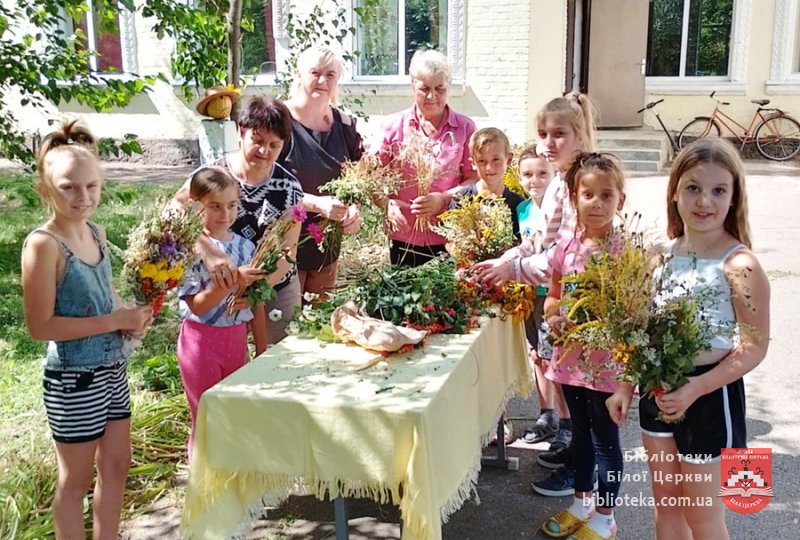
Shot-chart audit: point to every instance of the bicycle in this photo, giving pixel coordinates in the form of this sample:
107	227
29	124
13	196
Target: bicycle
776	133
652	105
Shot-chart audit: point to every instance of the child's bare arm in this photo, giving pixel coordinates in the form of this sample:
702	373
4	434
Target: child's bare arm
39	276
207	299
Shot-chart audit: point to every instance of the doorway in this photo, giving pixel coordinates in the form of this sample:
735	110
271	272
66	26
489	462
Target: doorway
612	57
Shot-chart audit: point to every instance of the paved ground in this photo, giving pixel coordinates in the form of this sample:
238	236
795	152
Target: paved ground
508	508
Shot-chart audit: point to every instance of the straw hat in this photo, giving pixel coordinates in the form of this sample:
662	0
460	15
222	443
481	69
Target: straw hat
225	95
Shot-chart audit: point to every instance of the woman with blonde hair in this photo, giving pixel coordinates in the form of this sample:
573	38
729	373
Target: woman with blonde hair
323	137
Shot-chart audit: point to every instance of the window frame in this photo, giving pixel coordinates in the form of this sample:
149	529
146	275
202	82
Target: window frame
127	41
456	21
733	83
785	37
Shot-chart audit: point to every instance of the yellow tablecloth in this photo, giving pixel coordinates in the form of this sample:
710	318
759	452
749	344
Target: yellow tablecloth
300	418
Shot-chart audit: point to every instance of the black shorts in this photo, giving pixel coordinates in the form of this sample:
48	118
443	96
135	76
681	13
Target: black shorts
713	422
79	404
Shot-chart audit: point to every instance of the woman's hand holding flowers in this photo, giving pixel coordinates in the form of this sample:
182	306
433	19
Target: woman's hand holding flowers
351	223
332	208
395	215
431	204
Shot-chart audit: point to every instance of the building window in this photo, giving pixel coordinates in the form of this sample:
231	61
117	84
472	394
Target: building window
394	30
689	38
784	65
258	46
104	42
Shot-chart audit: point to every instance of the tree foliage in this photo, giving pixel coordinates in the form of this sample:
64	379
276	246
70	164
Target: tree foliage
44	61
40	62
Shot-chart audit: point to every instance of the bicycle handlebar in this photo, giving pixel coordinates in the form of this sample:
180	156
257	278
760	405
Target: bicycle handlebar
711	95
650	105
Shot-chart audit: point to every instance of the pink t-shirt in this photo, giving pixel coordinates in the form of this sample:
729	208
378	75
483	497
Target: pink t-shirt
451	140
598	372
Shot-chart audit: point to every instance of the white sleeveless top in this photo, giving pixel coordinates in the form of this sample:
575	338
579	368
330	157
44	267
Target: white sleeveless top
694	276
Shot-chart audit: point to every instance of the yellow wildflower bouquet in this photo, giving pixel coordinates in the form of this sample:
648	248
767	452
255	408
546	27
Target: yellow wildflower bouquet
160	248
616	306
478	229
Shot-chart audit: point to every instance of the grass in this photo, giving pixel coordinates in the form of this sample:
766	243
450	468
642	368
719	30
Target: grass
160	413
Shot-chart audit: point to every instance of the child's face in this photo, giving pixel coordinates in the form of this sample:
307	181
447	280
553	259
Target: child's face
260	148
598	201
535	174
74	185
559	139
491	162
704	197
221	208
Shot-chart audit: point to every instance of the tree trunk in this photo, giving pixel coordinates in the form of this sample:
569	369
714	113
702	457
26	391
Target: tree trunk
235	50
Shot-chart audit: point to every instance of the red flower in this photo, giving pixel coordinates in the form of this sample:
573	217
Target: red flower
315	233
298	213
658	392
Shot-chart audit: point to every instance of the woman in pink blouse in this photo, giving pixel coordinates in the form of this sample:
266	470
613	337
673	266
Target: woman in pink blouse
448	132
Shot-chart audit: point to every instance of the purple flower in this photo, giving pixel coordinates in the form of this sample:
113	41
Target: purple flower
298	213
168	247
315	233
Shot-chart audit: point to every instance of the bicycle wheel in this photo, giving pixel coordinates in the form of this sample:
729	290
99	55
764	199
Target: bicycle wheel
702	126
778	138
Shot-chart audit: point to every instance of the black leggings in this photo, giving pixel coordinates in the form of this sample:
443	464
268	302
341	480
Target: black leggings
595	439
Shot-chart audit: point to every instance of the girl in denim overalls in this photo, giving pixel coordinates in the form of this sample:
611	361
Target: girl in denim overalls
69	301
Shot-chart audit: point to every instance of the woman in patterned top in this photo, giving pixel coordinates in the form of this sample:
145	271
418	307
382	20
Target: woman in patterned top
267	190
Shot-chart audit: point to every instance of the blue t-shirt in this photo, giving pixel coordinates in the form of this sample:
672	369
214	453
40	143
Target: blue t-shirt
531	220
241	251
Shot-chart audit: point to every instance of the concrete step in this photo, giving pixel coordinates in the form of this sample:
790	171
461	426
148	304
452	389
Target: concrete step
641	150
634	154
613	143
643	166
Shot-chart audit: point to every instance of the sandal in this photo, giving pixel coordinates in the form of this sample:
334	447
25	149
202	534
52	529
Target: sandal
585	532
542	430
508	434
563	524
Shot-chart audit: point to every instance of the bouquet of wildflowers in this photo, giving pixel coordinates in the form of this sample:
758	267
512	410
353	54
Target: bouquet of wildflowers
362	183
160	248
269	251
478	229
419	156
616	305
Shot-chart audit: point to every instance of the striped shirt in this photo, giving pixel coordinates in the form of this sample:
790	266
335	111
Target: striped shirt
240	250
531	267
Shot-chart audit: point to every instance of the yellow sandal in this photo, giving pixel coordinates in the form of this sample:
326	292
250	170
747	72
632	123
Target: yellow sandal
585	532
564	523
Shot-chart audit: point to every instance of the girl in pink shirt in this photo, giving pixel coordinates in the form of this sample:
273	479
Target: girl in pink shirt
596	188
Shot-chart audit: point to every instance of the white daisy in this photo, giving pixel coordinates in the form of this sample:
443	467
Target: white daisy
293	328
310	296
275	315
